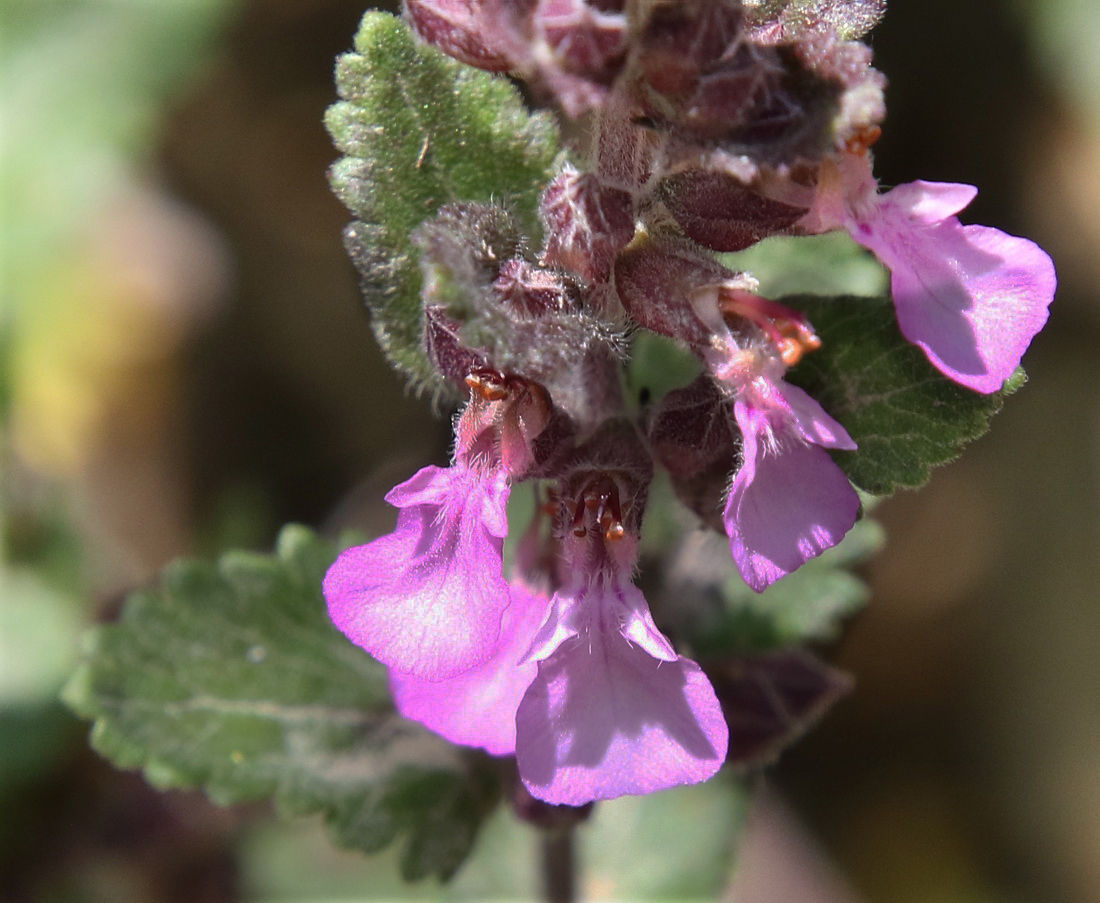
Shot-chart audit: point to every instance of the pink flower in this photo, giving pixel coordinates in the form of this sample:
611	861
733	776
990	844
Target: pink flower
971	297
427	599
613	709
583	687
478	706
788	501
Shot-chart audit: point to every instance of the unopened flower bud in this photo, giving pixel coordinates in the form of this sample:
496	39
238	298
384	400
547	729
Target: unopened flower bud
720	212
587	223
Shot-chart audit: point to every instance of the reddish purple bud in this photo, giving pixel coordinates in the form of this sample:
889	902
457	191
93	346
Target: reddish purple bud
693	436
576	53
445	346
677	42
721	213
481	33
777	23
625	150
587	224
693	428
657	279
731	96
585	41
698	77
533	290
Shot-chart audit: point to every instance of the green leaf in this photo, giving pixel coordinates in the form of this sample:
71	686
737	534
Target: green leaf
420	130
829	264
657	365
905	416
679	844
232	678
809	605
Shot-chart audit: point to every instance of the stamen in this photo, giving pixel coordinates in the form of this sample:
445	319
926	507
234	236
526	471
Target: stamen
492	385
601	497
862	140
788	330
579	529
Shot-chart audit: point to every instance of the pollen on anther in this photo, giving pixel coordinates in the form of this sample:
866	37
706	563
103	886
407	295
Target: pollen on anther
490	391
862	140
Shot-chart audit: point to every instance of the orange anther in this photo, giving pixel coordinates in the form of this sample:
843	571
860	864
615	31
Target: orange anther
862	140
491	387
787	330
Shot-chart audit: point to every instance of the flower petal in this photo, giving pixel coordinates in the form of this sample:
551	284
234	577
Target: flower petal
811	421
971	297
603	718
427	599
785	506
637	625
478	707
930	202
976	313
558	626
443	486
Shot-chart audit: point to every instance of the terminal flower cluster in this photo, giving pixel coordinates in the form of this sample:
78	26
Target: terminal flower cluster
711	125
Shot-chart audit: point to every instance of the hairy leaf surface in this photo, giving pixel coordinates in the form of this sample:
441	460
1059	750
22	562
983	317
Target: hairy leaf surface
420	130
230	677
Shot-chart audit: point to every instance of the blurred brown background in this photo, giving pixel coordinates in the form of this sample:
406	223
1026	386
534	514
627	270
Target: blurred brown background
186	365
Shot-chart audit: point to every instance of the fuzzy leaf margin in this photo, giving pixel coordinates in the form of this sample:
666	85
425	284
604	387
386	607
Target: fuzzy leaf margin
420	130
230	677
905	416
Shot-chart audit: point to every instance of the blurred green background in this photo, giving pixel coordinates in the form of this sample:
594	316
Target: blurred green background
185	365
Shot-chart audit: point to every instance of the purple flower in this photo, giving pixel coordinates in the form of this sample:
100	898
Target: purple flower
478	706
427	599
788	501
971	297
613	709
